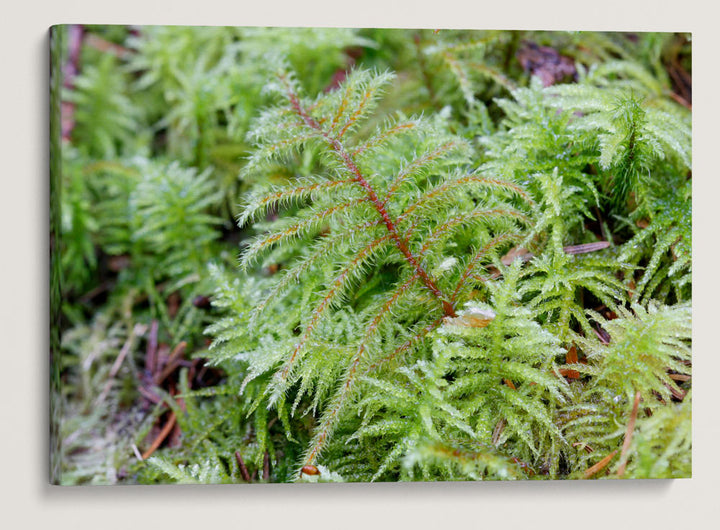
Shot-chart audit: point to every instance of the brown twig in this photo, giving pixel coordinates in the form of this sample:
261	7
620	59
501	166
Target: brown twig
172	363
586	247
680	377
243	467
498	430
681	100
152	348
149	395
161	437
266	466
589	472
628	435
677	393
602	335
584	446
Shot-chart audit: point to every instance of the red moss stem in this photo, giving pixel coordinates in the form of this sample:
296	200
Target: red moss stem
399	241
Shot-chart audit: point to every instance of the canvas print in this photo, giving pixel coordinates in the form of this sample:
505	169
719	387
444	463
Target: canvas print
298	255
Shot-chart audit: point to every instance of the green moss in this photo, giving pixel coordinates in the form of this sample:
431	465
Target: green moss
449	269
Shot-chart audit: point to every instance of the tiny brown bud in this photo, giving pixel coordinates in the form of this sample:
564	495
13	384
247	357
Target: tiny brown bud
310	470
201	301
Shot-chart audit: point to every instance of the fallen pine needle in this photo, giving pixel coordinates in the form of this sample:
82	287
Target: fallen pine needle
589	472
163	434
680	377
171	362
266	466
586	247
243	467
149	395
